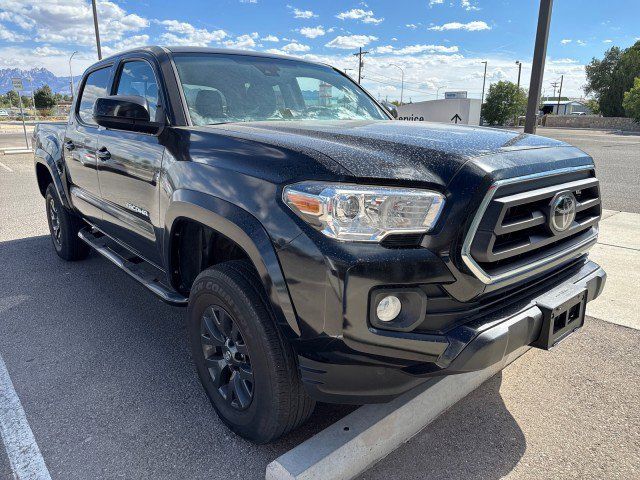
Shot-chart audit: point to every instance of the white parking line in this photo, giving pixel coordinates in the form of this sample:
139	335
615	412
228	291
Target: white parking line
5	167
22	450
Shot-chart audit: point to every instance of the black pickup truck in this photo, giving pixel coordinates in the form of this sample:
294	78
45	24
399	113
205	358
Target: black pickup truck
324	250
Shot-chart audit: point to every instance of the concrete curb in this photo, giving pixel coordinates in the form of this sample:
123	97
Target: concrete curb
15	151
352	445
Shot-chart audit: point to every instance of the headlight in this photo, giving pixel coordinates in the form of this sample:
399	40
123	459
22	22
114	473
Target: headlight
363	213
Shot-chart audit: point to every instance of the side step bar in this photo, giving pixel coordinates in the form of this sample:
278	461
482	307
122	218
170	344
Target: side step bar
133	265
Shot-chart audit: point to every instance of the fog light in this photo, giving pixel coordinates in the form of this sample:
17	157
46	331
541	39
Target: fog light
388	308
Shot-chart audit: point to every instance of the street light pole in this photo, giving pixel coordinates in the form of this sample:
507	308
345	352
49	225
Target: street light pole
537	67
438	91
519	63
95	26
402	84
484	80
71	76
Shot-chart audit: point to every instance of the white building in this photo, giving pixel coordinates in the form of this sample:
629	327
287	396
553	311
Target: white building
567	107
458	110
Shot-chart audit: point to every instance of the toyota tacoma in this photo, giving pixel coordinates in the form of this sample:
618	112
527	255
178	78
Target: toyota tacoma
324	250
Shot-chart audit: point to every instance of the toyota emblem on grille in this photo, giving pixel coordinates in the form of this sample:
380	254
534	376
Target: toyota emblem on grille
562	212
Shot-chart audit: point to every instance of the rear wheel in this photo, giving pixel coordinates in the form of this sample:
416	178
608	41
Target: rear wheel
64	227
248	371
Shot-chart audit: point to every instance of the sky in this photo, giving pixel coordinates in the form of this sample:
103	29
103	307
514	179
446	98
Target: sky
439	45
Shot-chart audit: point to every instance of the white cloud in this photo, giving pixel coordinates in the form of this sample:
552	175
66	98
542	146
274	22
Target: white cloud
248	1
9	36
297	13
183	33
270	38
566	41
365	16
435	2
313	32
295	47
71	21
47	51
607	41
412	26
247	40
475	26
414	49
581	43
126	44
350	41
467	5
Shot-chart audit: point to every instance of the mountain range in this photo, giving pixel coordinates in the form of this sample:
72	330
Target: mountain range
35	78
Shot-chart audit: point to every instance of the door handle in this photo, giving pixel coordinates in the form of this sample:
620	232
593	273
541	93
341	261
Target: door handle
103	154
69	145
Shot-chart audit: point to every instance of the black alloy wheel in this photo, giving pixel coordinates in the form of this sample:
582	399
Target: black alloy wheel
54	221
227	357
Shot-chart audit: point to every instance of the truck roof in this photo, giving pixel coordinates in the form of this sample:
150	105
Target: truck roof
157	49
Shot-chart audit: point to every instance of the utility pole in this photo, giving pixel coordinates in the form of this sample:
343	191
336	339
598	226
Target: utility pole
95	26
360	54
515	117
554	85
560	95
537	67
71	76
484	80
402	84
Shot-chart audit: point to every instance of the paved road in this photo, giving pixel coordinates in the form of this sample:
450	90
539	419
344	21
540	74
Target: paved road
617	159
14	139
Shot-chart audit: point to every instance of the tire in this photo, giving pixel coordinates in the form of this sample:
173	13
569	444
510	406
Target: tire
63	228
255	389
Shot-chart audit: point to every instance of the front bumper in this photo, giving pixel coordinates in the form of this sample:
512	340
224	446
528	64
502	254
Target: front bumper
472	346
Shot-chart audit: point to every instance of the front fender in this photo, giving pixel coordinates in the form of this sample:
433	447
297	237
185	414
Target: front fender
243	228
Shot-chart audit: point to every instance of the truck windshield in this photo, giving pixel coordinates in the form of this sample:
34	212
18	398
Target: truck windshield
221	88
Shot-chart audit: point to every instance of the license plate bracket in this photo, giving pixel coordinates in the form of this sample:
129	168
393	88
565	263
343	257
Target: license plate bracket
563	313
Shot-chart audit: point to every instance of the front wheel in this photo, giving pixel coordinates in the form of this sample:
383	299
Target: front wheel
247	370
64	228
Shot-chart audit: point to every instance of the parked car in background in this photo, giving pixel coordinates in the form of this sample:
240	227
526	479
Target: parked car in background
4	113
324	251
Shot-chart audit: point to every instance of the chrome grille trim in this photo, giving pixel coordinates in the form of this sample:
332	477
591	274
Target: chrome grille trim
541	264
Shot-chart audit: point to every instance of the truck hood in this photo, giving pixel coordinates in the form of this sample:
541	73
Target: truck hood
426	152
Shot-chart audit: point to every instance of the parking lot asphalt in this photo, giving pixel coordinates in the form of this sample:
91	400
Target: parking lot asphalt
102	367
571	413
104	375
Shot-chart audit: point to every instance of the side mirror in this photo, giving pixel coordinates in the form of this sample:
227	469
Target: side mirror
391	108
129	113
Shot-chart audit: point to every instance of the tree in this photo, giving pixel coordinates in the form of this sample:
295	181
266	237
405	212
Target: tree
594	106
26	101
44	97
504	101
631	101
12	98
609	78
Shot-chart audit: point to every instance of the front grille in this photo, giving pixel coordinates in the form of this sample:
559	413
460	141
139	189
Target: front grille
513	229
